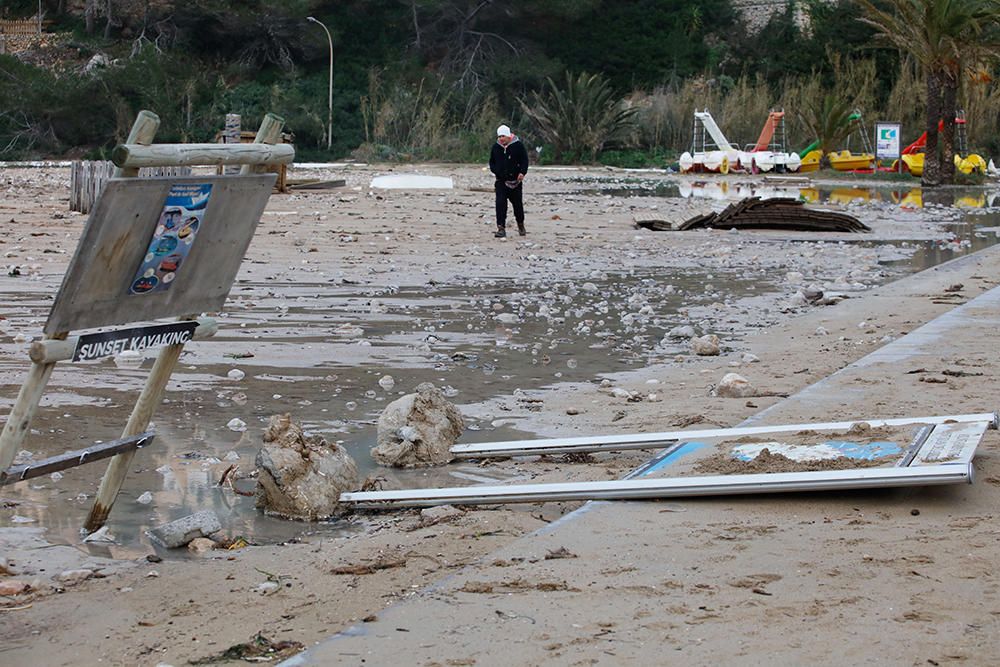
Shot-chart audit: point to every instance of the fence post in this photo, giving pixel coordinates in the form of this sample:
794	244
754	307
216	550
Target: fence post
231	135
143	130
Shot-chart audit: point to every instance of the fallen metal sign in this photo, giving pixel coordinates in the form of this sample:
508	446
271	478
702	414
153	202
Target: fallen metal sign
941	454
675	487
611	443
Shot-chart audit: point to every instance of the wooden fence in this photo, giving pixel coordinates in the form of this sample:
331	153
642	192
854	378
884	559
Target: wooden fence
87	179
20	27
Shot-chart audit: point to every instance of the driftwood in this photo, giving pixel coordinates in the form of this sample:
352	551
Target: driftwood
777	213
369	568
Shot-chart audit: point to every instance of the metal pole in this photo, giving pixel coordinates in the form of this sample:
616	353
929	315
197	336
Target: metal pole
611	443
329	101
668	487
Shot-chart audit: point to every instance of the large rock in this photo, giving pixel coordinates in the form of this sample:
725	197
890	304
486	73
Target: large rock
733	385
418	430
178	533
301	477
705	346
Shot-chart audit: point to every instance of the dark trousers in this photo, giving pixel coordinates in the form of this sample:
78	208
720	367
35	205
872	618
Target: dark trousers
515	196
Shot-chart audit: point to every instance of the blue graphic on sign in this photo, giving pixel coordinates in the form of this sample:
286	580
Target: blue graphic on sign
182	216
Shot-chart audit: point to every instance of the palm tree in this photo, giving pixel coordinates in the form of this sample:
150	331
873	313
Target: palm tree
831	120
939	34
579	118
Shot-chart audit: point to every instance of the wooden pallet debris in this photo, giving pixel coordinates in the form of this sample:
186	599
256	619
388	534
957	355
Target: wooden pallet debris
775	213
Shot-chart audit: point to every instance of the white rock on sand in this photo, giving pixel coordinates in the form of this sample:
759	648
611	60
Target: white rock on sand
733	385
181	531
705	346
418	430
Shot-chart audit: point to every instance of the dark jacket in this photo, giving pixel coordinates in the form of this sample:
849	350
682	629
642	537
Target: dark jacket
507	163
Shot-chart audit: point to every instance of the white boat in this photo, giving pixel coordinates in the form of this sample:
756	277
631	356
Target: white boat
769	153
710	150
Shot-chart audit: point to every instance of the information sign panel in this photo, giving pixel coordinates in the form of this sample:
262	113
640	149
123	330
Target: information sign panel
197	230
887	141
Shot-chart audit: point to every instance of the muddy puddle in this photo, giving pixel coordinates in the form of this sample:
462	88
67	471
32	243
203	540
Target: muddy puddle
334	356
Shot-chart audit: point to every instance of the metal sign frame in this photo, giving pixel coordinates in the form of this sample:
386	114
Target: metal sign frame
942	455
611	443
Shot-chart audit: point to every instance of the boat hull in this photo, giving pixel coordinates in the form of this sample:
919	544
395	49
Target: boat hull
847	161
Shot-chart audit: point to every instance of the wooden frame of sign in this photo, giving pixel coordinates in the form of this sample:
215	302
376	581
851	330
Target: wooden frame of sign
152	248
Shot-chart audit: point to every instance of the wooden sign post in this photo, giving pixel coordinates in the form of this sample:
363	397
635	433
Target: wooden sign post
153	248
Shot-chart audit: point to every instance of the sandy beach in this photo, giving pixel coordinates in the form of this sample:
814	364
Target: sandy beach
529	337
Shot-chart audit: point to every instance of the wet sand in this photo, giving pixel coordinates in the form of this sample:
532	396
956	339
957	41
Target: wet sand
342	288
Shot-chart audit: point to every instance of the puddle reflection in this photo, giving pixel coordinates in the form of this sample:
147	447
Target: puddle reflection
722	190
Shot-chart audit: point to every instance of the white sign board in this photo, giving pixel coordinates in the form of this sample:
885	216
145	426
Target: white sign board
887	136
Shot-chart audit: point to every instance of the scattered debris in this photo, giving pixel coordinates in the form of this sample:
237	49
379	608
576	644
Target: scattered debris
516	585
684	331
561	552
201	545
236	424
180	532
10	587
301	477
775	213
258	649
418	429
101	535
724	463
960	374
74	577
442	513
371	568
233	544
684	422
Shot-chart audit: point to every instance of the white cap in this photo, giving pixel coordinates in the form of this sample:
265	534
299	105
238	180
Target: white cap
503	131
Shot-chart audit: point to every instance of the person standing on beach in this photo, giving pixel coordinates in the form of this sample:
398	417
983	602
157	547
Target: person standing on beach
509	163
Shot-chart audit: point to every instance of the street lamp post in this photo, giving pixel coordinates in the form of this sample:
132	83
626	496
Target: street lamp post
329	114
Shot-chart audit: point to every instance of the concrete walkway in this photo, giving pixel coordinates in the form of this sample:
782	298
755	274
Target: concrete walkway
900	576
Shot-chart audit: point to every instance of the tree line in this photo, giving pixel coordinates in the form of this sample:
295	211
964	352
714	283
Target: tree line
428	79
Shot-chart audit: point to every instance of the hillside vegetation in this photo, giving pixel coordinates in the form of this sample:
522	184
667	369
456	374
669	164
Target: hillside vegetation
430	79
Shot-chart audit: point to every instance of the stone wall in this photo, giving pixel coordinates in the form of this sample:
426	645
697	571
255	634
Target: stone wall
756	13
